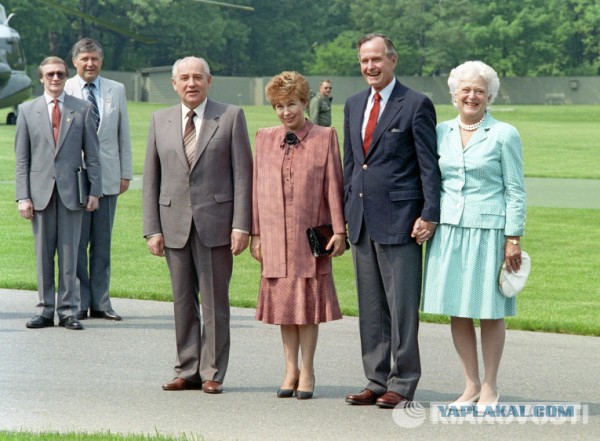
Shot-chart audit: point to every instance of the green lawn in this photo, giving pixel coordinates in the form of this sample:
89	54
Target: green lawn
563	294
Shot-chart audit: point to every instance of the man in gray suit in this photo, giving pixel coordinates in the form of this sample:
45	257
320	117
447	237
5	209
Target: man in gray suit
108	98
197	212
52	133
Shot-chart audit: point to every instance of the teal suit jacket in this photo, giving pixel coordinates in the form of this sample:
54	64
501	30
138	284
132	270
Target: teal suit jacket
482	185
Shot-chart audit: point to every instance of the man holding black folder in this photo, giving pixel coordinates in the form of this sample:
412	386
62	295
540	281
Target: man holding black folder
54	132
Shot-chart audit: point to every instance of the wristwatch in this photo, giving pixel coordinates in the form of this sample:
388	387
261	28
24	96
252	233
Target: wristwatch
513	241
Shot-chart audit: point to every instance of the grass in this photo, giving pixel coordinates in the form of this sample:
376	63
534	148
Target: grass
563	294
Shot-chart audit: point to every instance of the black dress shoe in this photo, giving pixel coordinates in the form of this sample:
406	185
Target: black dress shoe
39	321
108	315
71	323
81	315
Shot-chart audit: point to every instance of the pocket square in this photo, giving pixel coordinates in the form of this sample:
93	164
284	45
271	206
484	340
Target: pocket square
395	130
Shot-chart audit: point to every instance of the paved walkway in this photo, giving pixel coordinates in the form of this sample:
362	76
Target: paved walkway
108	377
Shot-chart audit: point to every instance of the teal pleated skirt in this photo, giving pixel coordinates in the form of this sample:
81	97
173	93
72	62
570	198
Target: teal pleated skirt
461	274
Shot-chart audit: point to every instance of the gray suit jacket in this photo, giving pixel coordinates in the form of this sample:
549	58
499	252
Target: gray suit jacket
41	165
215	193
113	132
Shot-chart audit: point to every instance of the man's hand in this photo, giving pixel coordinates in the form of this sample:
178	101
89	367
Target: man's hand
156	245
124	186
92	203
26	209
239	242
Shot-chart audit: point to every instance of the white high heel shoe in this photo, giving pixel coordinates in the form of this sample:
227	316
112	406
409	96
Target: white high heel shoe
481	408
466	403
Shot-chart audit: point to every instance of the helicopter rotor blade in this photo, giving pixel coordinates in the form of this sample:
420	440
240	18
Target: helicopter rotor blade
226	5
104	23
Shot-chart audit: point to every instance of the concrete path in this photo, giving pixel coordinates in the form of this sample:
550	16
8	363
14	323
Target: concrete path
108	377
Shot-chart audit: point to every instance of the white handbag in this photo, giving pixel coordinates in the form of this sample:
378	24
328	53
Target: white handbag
513	283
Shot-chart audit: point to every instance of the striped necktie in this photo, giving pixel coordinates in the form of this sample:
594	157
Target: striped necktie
92	99
189	137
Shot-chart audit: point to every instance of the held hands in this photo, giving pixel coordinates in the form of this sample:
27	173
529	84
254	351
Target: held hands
512	255
338	242
423	231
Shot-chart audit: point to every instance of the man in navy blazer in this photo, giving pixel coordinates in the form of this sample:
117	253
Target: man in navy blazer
391	196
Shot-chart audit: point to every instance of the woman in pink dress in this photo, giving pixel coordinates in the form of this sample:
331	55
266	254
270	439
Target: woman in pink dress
297	185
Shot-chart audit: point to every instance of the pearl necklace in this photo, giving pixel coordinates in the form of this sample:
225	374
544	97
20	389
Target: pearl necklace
471	127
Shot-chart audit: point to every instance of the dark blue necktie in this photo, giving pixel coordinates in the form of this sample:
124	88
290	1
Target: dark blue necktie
92	99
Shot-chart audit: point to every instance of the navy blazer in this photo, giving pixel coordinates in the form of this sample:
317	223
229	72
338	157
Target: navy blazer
399	179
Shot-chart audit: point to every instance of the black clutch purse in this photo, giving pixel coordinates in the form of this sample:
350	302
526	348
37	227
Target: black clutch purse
83	185
319	237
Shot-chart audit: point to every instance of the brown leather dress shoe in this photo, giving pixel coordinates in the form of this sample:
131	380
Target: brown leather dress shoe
181	384
212	387
391	399
365	398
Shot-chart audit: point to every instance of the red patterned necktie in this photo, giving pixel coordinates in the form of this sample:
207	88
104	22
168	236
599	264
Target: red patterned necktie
371	123
55	120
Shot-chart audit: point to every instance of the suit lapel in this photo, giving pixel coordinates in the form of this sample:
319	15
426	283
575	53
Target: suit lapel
480	134
392	108
105	101
174	124
210	123
356	121
66	120
41	109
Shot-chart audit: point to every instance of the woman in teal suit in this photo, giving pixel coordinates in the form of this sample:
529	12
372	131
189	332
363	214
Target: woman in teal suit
482	220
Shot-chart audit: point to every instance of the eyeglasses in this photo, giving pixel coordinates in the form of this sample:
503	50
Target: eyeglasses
51	75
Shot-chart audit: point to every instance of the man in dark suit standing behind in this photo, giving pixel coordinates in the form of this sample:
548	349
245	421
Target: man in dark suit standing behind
52	133
197	212
391	195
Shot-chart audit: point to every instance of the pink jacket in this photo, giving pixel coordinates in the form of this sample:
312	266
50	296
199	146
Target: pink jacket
317	195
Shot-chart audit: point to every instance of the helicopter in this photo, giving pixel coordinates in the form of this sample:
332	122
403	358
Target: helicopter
15	85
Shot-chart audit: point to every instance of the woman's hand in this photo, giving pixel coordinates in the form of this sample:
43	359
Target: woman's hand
512	254
255	249
338	242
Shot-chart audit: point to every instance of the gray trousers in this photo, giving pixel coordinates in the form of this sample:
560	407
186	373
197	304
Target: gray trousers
56	232
93	272
388	282
202	348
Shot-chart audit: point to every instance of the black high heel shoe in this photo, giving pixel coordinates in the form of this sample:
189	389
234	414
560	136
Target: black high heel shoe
287	393
305	394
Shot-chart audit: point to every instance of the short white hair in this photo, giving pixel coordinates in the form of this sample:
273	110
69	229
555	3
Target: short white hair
186	59
473	69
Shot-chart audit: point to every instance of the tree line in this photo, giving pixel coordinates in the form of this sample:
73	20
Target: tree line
516	37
